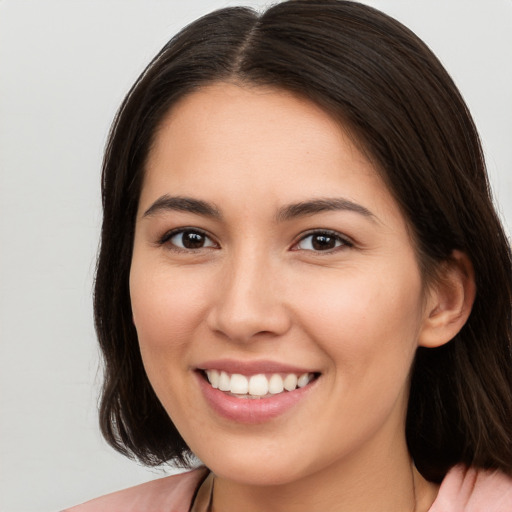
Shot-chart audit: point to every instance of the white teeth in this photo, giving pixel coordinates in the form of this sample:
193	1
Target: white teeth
275	384
239	384
303	380
224	382
290	382
213	377
256	386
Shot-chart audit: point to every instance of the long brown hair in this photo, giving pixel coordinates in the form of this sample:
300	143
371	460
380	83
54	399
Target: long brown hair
377	78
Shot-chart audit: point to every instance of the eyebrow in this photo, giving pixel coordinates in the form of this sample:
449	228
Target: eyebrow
167	203
183	204
306	208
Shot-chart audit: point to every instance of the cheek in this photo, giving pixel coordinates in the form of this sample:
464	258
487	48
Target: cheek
166	306
366	317
167	311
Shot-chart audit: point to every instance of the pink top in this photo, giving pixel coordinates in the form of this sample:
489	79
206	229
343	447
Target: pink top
462	490
474	490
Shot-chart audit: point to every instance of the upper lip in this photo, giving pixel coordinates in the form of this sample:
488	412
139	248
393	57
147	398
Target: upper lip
252	367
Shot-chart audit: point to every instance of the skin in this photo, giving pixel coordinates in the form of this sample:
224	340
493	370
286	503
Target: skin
258	290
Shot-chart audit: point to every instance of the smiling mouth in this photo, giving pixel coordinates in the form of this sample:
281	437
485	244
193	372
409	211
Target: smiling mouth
257	386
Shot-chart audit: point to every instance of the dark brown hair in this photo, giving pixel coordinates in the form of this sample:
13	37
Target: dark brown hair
376	77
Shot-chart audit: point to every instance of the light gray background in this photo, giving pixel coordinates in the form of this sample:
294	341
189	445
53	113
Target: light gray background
64	68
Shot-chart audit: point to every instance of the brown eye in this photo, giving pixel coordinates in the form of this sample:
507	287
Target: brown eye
321	241
190	239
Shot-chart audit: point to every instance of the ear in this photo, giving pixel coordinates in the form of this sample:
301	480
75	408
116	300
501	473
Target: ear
449	301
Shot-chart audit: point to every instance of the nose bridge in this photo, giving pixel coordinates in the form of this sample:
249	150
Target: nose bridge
249	301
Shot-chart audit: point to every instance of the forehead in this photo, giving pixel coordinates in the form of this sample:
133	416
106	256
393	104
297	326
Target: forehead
247	119
227	142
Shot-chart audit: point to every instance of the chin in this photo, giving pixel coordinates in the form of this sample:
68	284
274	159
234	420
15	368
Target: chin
257	471
257	476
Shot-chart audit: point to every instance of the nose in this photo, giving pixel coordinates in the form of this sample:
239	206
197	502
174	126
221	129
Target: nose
250	302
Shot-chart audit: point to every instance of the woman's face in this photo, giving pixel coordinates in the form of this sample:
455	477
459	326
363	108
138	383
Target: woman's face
269	252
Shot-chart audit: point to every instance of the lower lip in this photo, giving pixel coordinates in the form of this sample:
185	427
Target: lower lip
247	410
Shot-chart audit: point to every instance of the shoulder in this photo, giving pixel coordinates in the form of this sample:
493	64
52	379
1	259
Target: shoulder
173	493
474	490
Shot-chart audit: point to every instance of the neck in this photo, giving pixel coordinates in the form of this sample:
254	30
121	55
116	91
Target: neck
387	484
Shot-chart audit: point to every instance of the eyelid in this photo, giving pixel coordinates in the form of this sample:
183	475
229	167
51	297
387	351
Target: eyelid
166	237
346	242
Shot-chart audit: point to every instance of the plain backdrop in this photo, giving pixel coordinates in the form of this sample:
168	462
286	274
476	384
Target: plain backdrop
64	68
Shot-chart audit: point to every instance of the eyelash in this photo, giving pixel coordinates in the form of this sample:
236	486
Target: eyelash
340	241
167	237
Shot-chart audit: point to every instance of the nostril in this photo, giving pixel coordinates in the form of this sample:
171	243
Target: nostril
248	325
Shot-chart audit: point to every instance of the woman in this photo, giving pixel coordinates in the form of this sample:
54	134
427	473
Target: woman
302	280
